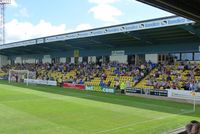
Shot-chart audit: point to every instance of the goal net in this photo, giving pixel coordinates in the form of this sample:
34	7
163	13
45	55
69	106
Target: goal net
20	76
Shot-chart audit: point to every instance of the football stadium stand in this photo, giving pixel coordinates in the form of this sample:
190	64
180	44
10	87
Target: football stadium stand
154	54
90	74
157	57
154	57
179	75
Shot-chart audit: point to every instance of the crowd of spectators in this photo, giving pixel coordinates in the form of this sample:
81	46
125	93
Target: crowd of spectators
84	71
181	75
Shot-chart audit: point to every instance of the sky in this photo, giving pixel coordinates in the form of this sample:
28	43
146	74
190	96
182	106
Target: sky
28	19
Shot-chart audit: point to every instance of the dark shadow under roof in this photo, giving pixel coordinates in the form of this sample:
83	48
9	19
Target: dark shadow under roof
186	8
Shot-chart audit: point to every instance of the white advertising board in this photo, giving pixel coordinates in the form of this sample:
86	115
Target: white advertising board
182	94
42	82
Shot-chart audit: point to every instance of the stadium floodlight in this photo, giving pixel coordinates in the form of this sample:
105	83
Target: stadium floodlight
2	20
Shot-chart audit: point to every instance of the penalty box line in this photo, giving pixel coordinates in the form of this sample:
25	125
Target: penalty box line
137	123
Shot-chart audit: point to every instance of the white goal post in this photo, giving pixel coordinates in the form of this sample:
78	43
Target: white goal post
18	76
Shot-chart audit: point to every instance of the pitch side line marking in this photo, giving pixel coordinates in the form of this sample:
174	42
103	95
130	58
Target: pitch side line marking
133	124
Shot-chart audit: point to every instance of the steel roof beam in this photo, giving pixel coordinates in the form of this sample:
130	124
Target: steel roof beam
73	45
101	42
138	37
192	30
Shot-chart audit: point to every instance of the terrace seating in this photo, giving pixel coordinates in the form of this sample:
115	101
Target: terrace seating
91	74
2	73
182	76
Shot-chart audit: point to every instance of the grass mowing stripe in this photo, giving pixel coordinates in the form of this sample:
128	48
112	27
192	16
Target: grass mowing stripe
85	101
133	124
119	99
23	120
62	97
90	112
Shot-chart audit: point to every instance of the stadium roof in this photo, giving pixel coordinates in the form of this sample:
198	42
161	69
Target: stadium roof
168	30
186	8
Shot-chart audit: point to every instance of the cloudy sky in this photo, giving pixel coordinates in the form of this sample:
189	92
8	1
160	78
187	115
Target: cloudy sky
27	19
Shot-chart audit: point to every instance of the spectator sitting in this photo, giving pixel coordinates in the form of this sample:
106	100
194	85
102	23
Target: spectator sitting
102	84
109	83
117	86
70	80
136	78
169	78
81	82
128	84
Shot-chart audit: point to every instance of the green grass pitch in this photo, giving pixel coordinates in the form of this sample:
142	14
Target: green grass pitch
53	110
